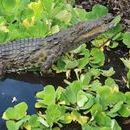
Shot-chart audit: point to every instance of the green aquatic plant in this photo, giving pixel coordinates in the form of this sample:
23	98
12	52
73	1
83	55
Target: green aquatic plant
88	101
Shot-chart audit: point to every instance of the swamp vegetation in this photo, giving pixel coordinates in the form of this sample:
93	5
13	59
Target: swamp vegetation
92	83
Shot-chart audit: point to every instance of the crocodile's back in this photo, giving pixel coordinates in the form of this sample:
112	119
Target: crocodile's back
19	49
17	55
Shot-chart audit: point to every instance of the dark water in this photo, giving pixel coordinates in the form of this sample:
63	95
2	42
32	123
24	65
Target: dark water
22	88
20	91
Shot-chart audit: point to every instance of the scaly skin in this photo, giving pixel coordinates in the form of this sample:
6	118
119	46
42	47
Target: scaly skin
25	54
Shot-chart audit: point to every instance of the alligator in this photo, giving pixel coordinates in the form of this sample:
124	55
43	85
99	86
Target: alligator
25	54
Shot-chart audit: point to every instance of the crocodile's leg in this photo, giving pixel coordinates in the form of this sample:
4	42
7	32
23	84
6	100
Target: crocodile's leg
52	57
1	70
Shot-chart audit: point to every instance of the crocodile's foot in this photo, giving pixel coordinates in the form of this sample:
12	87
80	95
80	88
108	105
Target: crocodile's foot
52	57
2	73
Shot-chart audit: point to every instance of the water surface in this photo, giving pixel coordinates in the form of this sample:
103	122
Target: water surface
13	92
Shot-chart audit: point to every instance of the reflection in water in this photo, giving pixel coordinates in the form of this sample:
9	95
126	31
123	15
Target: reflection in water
13	92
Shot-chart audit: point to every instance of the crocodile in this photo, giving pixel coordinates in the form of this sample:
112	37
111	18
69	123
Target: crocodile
25	54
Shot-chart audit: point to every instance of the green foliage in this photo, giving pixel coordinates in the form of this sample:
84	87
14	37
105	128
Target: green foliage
48	96
126	39
54	113
16	113
34	19
108	73
87	101
40	18
102	10
97	57
74	103
126	62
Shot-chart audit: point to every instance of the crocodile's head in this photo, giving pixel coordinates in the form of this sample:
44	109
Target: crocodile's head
86	31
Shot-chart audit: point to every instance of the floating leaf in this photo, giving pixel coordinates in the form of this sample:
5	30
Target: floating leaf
55	29
97	57
113	112
34	121
70	94
37	8
114	44
114	33
127	95
71	64
85	79
11	125
125	111
17	112
81	13
108	73
54	113
95	72
64	16
104	121
109	96
97	11
126	39
28	22
128	78
48	5
126	62
99	41
48	95
116	20
82	99
76	116
110	82
9	5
